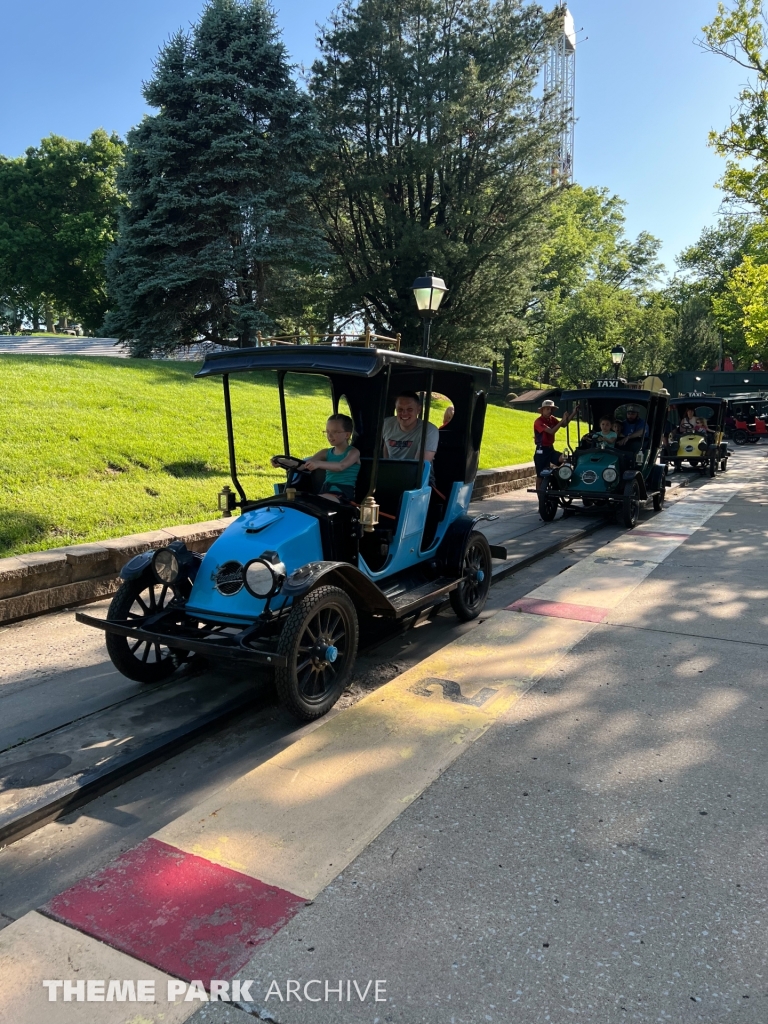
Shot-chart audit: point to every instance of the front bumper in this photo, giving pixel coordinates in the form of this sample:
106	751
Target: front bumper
239	646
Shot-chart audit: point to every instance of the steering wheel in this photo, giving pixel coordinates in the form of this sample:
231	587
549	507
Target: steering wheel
290	463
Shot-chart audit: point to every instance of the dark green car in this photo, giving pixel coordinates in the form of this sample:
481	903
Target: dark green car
611	462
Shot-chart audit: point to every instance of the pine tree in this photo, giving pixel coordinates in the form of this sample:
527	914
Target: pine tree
218	224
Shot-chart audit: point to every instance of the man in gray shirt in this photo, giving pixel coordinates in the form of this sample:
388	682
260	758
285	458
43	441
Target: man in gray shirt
402	432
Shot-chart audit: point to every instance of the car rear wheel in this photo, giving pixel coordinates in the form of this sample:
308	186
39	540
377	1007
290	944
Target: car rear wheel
723	465
469	598
141	660
630	506
739	437
319	642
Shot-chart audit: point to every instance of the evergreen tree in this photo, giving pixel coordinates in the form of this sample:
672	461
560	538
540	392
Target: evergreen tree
439	161
218	225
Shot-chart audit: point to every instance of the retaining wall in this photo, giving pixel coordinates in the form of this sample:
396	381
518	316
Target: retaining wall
46	580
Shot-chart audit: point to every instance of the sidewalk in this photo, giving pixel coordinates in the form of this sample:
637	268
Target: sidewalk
593	847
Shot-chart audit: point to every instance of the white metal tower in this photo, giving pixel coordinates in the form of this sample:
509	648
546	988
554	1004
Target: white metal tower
560	85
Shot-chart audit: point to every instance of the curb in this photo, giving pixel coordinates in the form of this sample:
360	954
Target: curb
43	581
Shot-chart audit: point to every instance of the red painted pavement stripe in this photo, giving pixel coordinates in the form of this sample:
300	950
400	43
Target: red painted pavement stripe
180	913
559	609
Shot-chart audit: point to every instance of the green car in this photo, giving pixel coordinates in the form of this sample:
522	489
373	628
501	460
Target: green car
614	467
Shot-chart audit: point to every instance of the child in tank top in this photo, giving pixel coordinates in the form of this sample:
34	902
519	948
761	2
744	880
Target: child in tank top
341	462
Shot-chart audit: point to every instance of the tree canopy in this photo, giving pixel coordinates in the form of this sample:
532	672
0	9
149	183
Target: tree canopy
58	217
438	160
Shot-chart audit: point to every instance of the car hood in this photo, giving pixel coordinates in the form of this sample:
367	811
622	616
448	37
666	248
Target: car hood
293	534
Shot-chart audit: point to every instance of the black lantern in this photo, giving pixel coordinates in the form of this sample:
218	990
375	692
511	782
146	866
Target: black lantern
428	292
617	358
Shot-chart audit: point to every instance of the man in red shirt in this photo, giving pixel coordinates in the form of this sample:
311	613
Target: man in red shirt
544	429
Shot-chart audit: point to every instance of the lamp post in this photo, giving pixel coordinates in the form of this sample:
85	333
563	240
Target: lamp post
617	358
428	292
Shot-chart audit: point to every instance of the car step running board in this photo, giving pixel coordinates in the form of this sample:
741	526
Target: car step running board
410	601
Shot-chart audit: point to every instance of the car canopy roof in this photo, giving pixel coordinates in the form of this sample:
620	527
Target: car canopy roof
636	396
336	359
691	400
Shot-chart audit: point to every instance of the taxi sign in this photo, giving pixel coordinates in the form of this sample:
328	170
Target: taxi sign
612	382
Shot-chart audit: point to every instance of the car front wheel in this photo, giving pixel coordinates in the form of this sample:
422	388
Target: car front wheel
469	598
136	602
319	643
630	507
547	505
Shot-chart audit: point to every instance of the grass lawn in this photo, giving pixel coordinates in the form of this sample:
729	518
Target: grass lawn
96	448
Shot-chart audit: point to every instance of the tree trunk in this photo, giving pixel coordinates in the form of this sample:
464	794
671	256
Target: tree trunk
48	318
507	361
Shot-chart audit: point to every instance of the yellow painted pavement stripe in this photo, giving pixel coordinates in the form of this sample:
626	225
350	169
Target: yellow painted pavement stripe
35	948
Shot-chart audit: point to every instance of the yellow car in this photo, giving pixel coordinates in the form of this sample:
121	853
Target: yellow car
696	433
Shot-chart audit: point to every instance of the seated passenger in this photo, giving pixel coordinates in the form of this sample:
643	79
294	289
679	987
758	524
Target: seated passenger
402	432
341	462
688	422
607	432
447	416
633	427
700	426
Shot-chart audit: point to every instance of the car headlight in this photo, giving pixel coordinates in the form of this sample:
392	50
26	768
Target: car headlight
610	475
166	565
263	579
565	472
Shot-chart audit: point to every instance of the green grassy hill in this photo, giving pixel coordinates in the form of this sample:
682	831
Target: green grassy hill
96	448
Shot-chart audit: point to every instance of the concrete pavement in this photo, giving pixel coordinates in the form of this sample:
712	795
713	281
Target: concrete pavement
601	853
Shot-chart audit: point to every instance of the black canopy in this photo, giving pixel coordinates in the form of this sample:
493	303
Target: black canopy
335	359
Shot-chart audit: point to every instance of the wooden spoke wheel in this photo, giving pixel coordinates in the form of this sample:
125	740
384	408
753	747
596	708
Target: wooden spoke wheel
136	602
319	640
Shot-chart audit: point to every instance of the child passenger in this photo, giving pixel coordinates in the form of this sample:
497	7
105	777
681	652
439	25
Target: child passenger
608	432
701	426
341	462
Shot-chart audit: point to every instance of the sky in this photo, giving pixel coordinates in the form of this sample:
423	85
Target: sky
646	95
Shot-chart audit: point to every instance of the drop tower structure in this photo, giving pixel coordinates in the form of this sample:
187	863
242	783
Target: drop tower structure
560	86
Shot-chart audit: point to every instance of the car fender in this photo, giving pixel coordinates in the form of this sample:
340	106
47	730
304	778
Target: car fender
634	474
137	567
341	574
450	554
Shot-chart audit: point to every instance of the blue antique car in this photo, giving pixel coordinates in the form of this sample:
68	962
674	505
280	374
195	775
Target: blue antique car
287	584
616	473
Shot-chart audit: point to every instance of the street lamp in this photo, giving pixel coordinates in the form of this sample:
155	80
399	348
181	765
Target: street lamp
617	358
428	292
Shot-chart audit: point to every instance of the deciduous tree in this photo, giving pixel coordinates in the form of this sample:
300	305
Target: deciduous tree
439	160
58	216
